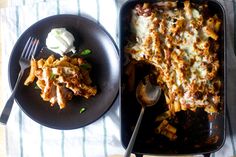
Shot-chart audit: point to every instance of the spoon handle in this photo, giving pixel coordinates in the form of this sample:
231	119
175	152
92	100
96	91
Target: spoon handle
133	137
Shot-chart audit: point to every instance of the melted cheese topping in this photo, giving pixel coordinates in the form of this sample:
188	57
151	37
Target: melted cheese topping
182	45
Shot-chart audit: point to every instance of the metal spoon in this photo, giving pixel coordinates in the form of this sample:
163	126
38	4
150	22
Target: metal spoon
147	95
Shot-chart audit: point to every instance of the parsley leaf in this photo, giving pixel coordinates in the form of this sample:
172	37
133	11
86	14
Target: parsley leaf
85	52
36	87
82	110
52	76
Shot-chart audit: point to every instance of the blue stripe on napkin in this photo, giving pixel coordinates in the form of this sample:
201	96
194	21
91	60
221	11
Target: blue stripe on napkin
20	112
41	141
62	144
83	144
98	11
58	7
78	7
37	11
105	136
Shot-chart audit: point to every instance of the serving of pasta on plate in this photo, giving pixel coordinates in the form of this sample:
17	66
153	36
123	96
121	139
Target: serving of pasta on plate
60	79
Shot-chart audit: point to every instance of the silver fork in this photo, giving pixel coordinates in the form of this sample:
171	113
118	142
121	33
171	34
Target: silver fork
27	53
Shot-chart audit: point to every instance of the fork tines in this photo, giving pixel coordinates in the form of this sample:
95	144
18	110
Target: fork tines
30	48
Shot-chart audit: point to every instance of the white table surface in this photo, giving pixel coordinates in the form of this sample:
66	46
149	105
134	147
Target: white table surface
23	137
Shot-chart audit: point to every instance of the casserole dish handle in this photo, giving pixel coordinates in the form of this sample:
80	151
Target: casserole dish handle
205	155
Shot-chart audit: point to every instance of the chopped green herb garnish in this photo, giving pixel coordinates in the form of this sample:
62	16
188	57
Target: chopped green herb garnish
85	66
36	87
58	32
82	53
85	52
82	110
52	76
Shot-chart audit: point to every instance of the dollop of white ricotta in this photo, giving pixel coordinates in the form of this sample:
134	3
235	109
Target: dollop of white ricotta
60	41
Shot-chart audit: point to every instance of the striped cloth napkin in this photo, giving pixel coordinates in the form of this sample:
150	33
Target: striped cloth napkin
26	138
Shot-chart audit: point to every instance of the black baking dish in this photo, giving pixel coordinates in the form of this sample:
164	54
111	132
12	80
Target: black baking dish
203	136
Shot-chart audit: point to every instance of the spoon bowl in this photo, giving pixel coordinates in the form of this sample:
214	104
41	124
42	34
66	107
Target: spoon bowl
147	94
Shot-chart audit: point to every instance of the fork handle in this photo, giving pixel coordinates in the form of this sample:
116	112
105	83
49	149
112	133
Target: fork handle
8	106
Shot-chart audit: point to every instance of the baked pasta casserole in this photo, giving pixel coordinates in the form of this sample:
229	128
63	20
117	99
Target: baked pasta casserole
182	44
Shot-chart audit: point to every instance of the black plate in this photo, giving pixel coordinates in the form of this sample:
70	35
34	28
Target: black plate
105	73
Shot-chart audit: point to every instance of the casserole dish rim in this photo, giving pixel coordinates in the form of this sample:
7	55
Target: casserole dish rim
224	77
